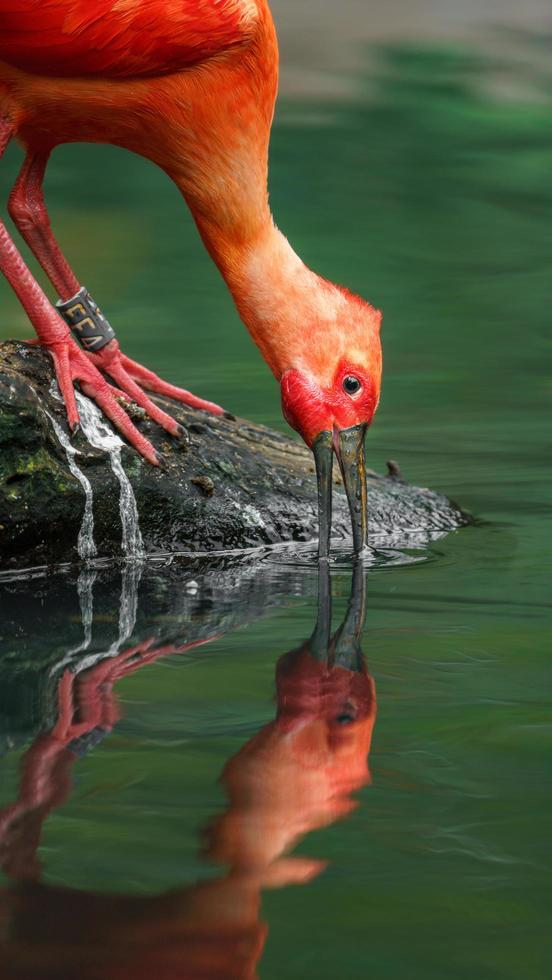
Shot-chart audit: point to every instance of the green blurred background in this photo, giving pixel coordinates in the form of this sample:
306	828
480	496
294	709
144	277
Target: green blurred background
412	161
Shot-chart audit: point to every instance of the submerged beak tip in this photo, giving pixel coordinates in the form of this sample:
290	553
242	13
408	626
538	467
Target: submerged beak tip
322	448
348	445
350	453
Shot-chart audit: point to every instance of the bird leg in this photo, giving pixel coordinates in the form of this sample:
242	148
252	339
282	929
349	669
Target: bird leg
29	214
87	712
70	362
133	378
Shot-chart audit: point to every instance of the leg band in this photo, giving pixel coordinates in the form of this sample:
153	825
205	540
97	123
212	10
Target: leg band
86	320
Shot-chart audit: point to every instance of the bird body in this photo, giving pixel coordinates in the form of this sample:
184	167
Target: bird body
121	38
191	86
203	117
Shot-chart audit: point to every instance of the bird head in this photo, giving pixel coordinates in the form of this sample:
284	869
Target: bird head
322	343
330	395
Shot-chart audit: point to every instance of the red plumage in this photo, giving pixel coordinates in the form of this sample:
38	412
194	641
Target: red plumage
191	85
118	38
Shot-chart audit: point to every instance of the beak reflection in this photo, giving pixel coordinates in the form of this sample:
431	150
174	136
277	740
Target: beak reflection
297	774
348	445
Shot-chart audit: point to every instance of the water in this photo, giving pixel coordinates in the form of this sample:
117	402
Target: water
85	591
101	435
408	839
86	546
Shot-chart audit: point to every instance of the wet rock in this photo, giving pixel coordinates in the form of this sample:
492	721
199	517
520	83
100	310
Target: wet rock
263	482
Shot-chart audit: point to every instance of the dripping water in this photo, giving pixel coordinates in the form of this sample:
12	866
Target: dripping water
86	546
101	436
128	611
85	590
128	605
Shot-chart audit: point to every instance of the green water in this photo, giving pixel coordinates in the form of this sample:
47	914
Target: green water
434	200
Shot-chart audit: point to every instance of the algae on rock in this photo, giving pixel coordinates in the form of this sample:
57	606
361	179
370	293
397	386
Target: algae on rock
261	485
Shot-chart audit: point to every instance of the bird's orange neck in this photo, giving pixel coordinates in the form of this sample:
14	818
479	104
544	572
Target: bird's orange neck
217	153
285	306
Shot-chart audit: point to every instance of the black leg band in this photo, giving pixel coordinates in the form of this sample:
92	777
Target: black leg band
86	320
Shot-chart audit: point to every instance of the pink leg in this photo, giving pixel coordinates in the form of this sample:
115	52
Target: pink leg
129	375
71	364
28	211
90	696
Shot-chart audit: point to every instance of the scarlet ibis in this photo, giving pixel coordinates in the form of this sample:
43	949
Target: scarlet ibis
190	85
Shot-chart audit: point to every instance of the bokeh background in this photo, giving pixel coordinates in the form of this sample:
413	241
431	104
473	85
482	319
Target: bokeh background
412	161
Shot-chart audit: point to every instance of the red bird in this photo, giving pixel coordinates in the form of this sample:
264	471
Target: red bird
191	85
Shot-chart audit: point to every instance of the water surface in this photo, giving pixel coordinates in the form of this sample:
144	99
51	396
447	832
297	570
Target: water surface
433	198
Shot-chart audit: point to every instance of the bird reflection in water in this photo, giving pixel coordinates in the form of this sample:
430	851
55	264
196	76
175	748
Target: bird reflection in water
295	775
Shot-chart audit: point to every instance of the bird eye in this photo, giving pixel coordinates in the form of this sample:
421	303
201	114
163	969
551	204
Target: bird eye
351	384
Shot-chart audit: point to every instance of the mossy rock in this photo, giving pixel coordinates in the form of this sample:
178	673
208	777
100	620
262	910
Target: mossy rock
229	484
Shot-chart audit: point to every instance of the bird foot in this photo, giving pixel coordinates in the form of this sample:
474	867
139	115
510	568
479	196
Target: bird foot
73	364
133	378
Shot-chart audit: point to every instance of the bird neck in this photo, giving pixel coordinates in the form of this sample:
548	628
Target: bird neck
282	302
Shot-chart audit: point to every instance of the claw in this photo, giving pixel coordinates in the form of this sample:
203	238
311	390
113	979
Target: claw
152	382
71	365
62	366
99	391
113	363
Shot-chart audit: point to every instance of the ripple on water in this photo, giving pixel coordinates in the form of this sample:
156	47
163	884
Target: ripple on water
386	551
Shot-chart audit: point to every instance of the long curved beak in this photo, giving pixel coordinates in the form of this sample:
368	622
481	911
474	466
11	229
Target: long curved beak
348	445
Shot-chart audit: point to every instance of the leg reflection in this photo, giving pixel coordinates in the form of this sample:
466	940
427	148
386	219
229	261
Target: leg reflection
297	774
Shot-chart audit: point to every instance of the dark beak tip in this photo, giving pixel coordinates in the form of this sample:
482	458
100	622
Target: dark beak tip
322	448
349	449
351	456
